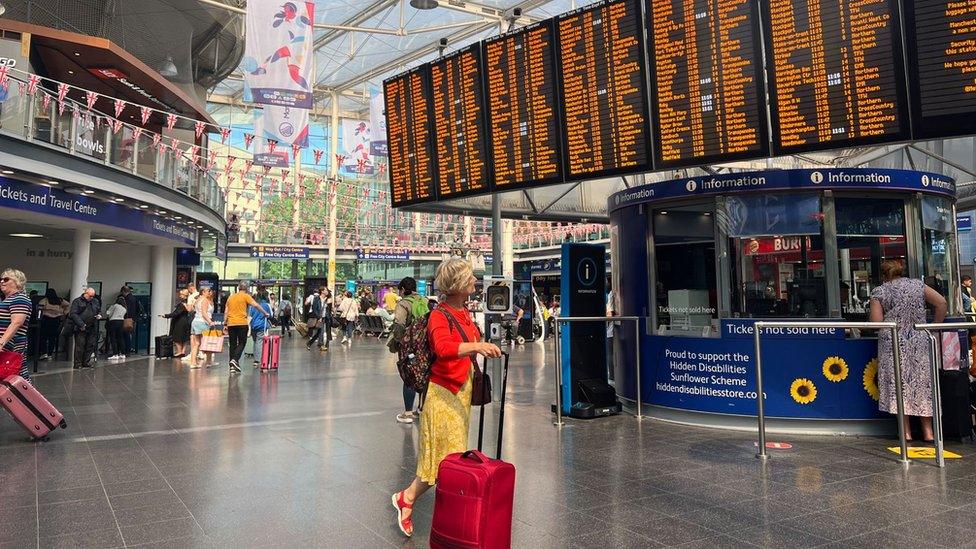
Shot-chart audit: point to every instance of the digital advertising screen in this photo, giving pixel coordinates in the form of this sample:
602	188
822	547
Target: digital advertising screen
408	134
460	146
836	74
707	89
941	46
604	94
523	114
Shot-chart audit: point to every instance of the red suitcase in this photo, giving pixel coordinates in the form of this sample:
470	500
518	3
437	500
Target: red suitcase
29	408
475	495
270	351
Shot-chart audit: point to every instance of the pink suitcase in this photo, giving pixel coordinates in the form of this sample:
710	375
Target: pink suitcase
29	408
269	352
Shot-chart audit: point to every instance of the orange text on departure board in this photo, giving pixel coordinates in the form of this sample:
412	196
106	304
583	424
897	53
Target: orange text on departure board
833	70
705	73
408	133
458	124
522	107
946	36
602	81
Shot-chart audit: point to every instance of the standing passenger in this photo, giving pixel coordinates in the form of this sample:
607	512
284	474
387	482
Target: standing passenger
83	318
236	320
116	341
15	311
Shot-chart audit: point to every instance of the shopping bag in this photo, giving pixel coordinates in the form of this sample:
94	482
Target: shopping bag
10	363
212	341
951	351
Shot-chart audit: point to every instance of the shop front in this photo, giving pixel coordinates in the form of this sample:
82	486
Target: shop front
701	259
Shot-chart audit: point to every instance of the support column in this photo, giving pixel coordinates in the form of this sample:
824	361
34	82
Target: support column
496	235
508	248
162	273
333	196
80	261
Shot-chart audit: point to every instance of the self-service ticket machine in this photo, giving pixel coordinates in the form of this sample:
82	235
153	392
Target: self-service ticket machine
585	390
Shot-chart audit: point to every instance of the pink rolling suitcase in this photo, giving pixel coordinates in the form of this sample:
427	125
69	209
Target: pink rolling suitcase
270	351
29	408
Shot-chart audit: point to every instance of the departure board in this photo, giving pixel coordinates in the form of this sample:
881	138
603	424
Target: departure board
523	124
459	124
604	106
408	135
836	73
942	66
707	89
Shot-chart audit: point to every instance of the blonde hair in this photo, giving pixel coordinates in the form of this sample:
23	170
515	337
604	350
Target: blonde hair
19	278
891	269
452	276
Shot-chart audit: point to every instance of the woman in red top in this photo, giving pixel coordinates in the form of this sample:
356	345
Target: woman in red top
447	406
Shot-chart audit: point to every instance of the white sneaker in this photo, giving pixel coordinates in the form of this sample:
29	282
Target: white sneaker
404	417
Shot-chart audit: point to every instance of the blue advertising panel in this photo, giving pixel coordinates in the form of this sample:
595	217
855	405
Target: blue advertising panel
422	288
46	200
583	293
964	223
279	252
779	180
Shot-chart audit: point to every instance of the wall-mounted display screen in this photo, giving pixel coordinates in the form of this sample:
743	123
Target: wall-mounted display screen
707	88
604	94
836	75
523	124
459	124
408	133
942	66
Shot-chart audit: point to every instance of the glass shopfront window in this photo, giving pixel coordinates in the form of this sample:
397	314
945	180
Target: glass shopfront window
684	257
870	231
939	251
777	248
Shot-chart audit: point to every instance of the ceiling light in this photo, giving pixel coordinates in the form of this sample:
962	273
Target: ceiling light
103	240
423	4
70	71
27	235
143	207
161	211
118	200
7	172
664	213
53	182
2	9
88	191
168	68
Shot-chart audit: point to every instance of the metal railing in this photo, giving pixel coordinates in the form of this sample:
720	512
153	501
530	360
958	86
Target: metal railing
896	352
934	332
559	357
90	136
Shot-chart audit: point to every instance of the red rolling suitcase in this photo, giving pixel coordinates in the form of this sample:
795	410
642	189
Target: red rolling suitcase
475	495
29	408
270	351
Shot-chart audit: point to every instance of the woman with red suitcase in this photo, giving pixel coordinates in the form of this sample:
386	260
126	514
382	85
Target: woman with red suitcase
15	311
447	405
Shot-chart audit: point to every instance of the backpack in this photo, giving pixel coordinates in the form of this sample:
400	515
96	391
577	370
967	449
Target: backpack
414	357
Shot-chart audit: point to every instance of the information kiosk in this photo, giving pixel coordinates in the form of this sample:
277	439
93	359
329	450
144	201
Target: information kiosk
702	258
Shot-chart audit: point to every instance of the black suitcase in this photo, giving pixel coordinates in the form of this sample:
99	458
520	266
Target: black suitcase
164	346
957	419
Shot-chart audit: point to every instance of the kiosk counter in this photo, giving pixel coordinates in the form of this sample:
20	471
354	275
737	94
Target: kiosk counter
701	259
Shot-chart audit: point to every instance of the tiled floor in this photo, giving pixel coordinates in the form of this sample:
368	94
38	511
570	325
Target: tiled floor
158	455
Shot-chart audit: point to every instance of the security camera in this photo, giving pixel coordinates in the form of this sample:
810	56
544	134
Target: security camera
442	42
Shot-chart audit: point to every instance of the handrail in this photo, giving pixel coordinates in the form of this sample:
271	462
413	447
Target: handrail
559	358
935	365
165	167
896	352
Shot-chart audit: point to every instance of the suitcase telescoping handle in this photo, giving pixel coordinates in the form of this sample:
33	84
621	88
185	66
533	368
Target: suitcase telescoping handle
501	409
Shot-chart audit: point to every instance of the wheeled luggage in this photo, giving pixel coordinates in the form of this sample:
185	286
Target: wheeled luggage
269	352
29	408
957	418
475	494
164	346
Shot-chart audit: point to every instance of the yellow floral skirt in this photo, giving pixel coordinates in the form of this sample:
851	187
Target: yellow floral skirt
443	428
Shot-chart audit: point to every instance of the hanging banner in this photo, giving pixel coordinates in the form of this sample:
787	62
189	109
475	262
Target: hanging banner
278	56
355	147
277	129
377	123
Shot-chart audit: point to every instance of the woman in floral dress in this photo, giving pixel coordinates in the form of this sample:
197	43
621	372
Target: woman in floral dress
903	300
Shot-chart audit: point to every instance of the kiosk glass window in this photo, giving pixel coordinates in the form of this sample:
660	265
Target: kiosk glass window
778	255
684	256
939	247
870	231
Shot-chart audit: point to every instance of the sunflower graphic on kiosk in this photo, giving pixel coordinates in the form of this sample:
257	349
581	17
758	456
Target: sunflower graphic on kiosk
803	390
835	369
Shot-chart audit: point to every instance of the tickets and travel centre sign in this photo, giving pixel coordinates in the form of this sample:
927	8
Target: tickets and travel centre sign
782	180
50	201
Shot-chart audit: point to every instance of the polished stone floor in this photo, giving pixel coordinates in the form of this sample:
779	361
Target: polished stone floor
159	455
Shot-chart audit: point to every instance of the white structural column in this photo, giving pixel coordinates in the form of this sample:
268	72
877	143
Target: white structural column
333	196
508	248
80	261
163	275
